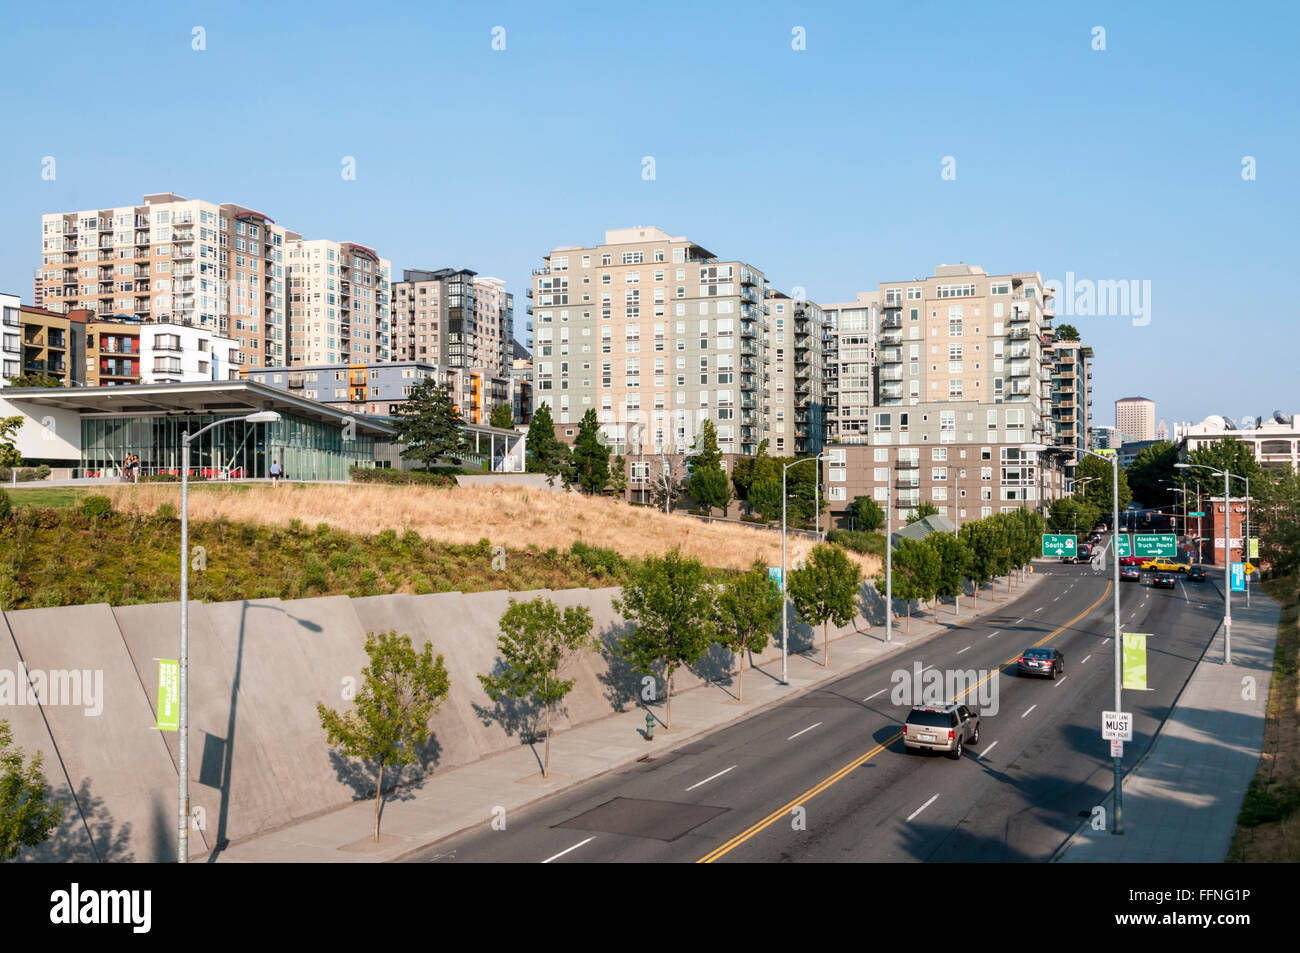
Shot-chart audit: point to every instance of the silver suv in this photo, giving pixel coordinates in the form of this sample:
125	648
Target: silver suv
941	728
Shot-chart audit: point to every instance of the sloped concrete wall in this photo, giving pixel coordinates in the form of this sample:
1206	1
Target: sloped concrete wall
258	755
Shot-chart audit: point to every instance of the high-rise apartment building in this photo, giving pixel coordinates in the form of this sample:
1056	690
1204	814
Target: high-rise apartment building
1135	417
454	318
1071	385
656	334
11	338
849	358
796	421
173	260
339	303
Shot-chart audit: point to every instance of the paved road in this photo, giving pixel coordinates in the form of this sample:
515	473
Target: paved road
824	777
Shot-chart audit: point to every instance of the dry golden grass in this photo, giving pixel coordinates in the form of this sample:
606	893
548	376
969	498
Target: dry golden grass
507	516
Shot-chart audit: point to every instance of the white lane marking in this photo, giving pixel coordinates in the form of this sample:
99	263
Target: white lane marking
1039	609
923	807
1061	679
798	733
1057	599
574	847
1031	708
707	780
1018	621
926	669
1085	658
881	692
994	632
986	751
1105	640
963	650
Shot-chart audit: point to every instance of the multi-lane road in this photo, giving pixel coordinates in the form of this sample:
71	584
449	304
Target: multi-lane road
824	776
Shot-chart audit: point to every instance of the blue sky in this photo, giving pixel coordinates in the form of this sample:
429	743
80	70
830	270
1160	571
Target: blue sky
820	166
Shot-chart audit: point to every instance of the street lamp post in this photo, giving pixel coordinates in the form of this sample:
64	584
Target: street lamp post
183	838
1113	460
785	617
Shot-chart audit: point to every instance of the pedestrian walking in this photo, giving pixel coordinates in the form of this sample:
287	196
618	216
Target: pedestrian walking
276	472
135	467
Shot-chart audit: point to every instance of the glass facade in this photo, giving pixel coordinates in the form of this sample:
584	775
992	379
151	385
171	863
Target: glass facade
307	449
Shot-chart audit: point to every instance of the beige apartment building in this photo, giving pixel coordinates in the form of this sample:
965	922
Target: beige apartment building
656	334
339	302
796	421
173	260
1071	396
112	353
1135	418
53	343
455	318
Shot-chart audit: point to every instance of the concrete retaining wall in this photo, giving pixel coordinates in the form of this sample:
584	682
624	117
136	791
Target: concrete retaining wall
258	756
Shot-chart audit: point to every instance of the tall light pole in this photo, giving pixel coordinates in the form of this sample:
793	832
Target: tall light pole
785	615
1227	553
183	838
1113	460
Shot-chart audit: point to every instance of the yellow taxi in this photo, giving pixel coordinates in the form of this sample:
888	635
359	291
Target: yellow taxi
1164	565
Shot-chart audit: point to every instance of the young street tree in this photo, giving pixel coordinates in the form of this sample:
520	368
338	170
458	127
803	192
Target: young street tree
25	818
429	424
749	610
9	427
916	574
546	454
953	557
825	590
502	417
708	481
536	642
671	613
400	691
590	458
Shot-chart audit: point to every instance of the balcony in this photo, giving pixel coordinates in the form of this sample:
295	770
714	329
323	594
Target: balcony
1019	316
892	323
891	338
893	374
1018	369
1019	334
892	303
891	392
891	355
907	463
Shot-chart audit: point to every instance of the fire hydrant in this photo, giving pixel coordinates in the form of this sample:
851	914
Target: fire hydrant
649	727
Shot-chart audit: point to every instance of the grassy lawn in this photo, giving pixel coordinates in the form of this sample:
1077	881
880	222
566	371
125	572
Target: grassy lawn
1268	829
55	496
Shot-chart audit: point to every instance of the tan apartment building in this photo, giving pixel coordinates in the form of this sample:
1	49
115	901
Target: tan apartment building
112	353
54	343
339	300
1135	418
656	334
848	365
495	339
453	317
796	421
173	260
1071	396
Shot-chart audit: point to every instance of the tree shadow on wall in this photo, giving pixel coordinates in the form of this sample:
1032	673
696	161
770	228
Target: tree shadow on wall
621	682
86	834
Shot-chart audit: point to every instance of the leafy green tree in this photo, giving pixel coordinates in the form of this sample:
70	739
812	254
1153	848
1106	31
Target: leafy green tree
765	499
429	424
546	453
981	538
1276	507
1072	515
826	590
708	481
590	459
35	379
866	514
1149	471
1029	527
502	417
1098	489
1236	455
916	574
25	818
671	613
749	611
400	691
536	642
953	559
921	512
9	427
1066	332
742	474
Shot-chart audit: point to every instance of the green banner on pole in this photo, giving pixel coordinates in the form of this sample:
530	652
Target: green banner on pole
1135	661
1254	548
169	695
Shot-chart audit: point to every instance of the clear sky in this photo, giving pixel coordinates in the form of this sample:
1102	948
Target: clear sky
824	167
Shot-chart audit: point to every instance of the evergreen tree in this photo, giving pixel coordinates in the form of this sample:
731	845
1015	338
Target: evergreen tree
502	417
708	482
546	454
429	424
590	458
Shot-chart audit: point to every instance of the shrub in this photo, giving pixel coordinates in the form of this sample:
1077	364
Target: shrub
868	544
6	507
43	472
597	559
96	507
441	476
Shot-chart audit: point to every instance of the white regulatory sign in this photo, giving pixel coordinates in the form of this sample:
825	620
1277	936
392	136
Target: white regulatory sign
1117	749
1117	726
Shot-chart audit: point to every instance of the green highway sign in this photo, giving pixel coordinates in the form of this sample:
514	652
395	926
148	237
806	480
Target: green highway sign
1155	544
1058	545
1124	545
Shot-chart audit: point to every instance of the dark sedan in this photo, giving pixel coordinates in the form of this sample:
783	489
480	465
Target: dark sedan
1163	580
1130	574
1040	661
1196	574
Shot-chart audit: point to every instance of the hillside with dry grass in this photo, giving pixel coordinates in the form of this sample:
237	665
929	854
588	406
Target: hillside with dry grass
505	516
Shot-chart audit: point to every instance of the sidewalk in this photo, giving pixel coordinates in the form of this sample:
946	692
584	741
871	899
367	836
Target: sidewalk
467	797
1181	801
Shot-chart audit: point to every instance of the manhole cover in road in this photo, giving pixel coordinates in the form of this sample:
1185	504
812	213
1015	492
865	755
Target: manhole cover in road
660	820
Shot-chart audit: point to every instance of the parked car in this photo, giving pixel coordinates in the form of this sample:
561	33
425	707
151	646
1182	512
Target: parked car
1083	554
940	728
1196	574
1130	574
1099	528
1163	580
1041	661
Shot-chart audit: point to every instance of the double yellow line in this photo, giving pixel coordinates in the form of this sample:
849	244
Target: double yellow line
857	762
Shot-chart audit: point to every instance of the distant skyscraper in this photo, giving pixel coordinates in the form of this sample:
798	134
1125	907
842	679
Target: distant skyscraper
1135	417
1162	432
